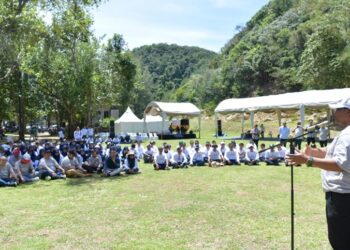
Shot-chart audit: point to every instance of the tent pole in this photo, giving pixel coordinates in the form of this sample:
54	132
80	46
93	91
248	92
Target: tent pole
302	115
252	119
199	123
216	124
242	125
279	117
163	121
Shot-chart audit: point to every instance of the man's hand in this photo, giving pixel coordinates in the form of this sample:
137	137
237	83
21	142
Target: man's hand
297	158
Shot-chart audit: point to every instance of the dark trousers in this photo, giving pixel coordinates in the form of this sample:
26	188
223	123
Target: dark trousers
323	143
283	142
310	140
298	143
338	220
256	141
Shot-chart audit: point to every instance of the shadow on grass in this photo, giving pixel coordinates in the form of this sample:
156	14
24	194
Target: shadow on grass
96	179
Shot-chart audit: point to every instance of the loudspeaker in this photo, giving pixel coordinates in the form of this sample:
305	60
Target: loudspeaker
111	129
219	128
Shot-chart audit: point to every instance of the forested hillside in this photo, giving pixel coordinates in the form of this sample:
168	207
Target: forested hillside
168	65
288	45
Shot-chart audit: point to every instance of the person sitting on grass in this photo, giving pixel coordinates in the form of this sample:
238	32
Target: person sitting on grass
49	168
206	151
252	157
16	156
161	160
113	165
231	156
282	151
131	165
148	154
223	148
139	149
72	167
197	158
272	157
242	152
7	175
262	154
94	162
215	157
185	151
25	170
179	159
168	152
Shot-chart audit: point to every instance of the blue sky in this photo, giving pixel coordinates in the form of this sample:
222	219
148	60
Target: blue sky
204	23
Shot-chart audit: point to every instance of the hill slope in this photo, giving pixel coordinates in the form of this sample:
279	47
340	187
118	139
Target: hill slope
168	65
287	46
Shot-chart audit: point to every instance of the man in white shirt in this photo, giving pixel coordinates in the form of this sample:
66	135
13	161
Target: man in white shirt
323	136
148	155
298	132
197	158
84	133
206	151
272	157
215	157
334	162
77	134
252	156
179	159
161	161
284	132
262	152
231	156
242	153
311	133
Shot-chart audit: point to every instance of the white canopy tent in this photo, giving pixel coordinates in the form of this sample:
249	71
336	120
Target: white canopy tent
289	101
128	123
155	123
170	109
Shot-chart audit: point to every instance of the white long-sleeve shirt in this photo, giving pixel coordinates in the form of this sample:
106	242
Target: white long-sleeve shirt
179	158
252	155
197	156
231	155
160	158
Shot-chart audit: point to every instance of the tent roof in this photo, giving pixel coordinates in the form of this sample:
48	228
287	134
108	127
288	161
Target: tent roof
295	100
128	116
172	109
155	118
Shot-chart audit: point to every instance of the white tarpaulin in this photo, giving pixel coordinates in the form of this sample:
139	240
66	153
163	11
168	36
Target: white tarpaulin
155	123
128	123
171	109
287	101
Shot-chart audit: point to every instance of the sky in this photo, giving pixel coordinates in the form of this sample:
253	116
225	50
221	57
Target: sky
208	24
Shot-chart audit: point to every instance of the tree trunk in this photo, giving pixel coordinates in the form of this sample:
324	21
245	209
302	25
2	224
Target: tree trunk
21	112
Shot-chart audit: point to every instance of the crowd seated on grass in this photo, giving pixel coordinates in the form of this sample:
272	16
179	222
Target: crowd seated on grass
28	162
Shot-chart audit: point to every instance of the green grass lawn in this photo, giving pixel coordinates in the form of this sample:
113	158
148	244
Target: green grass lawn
196	208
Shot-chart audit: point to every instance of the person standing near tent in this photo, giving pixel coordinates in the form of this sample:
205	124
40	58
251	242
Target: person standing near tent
284	132
334	161
256	135
311	133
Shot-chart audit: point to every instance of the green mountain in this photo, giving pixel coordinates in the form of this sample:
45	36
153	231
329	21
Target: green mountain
288	45
165	67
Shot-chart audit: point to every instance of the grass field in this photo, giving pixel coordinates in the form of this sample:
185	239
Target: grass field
196	208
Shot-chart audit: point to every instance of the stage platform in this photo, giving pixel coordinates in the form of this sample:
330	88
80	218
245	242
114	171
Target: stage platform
176	136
